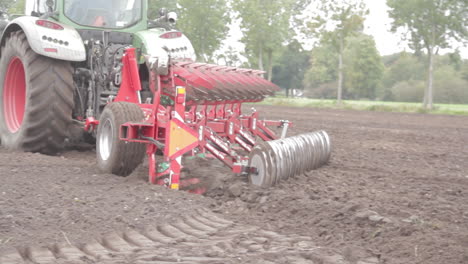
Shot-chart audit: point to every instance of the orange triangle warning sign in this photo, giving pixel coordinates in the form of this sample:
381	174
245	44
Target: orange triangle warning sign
181	139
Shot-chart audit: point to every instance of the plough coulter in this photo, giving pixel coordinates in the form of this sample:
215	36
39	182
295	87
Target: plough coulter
134	85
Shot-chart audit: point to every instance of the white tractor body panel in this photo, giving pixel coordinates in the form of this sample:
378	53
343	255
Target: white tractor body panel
176	48
63	44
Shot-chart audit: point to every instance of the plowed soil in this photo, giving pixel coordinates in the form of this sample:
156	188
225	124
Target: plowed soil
395	191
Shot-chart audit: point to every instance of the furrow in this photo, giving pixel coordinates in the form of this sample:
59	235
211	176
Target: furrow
154	234
114	242
187	229
11	257
135	238
39	255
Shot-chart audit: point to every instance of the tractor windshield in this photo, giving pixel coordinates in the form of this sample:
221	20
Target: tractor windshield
104	13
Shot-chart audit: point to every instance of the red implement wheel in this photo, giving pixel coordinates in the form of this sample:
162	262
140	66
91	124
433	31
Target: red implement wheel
36	98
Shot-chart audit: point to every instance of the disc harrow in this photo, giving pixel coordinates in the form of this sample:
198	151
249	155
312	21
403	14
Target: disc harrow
196	109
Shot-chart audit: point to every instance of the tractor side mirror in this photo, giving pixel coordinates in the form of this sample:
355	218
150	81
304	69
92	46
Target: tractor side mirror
165	20
50	4
162	12
172	18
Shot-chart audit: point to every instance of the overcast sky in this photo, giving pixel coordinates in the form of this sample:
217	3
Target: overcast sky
377	24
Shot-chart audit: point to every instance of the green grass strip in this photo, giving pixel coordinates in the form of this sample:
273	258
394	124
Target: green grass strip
446	109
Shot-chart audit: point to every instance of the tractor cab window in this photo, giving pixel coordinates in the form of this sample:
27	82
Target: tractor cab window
104	13
36	7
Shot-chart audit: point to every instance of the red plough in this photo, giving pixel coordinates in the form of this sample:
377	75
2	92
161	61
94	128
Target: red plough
196	109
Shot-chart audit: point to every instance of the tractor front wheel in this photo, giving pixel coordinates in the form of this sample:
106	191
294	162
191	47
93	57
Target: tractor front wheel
114	155
36	98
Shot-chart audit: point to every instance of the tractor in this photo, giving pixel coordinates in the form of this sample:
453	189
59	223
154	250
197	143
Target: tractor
132	85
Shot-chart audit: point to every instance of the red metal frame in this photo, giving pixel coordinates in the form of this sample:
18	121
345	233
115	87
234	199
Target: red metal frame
214	124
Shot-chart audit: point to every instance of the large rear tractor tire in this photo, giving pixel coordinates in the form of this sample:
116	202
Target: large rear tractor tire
36	98
114	155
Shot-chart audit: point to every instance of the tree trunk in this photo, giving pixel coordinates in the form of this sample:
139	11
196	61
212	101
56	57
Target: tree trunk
203	54
340	73
270	64
260	57
429	93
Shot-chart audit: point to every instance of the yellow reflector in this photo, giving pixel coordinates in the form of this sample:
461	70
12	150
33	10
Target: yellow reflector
180	90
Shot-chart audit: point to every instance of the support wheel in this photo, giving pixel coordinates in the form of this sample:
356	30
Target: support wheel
114	155
36	98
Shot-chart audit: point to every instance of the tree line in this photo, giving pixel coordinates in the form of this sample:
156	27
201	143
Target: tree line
400	77
344	62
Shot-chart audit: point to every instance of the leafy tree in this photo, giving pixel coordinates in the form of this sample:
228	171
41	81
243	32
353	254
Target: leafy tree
449	86
455	60
431	25
323	67
364	72
17	7
464	70
334	21
5	4
323	91
404	78
266	26
406	67
408	91
155	5
401	67
205	22
392	58
230	57
290	69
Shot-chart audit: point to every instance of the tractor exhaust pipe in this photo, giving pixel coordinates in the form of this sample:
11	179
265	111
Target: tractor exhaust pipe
277	160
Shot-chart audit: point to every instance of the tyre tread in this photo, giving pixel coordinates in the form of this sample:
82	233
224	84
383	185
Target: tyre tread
127	155
50	98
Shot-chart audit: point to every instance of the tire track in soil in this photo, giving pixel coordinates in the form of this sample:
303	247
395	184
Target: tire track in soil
202	237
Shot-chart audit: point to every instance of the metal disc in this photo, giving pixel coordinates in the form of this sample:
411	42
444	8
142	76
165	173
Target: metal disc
257	160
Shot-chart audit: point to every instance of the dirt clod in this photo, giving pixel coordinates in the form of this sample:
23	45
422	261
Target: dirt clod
236	189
